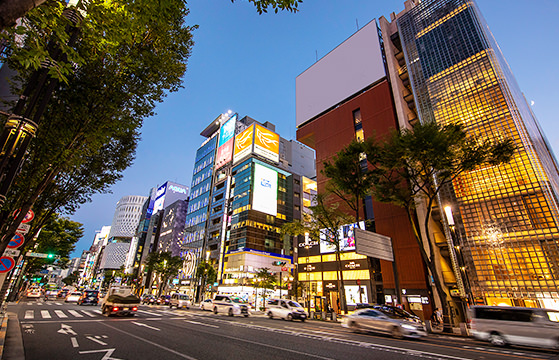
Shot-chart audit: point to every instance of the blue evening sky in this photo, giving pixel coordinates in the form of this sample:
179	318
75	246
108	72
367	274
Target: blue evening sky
248	63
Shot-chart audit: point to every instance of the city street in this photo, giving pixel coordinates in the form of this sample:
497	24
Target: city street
57	330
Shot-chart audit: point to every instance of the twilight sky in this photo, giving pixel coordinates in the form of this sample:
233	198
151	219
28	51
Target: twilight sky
248	63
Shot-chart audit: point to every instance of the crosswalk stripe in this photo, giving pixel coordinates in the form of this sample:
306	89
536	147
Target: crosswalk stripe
57	303
60	314
29	314
149	313
88	313
97	311
75	313
45	314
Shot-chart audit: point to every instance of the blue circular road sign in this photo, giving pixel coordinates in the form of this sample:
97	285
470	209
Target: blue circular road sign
16	241
6	264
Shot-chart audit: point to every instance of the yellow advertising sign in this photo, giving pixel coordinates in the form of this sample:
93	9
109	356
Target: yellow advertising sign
243	144
266	143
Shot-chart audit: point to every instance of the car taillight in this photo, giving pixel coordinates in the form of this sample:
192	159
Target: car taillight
135	308
115	308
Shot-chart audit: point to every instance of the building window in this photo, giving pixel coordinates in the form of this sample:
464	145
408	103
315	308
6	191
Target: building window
357	117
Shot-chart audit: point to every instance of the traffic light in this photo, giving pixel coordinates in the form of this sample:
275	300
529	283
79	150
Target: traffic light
279	263
50	256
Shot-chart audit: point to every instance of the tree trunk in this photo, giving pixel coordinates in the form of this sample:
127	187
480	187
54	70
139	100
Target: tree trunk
343	303
11	10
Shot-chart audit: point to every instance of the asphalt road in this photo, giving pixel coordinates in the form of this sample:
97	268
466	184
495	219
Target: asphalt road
56	330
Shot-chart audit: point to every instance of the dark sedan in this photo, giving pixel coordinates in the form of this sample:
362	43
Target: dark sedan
89	297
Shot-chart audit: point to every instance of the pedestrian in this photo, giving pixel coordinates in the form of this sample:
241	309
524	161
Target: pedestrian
435	317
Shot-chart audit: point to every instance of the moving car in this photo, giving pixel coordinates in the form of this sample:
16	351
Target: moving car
207	304
286	309
231	305
378	321
33	293
120	300
149	300
62	293
180	301
89	297
504	325
74	296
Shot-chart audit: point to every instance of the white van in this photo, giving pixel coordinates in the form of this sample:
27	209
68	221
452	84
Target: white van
516	326
180	301
231	305
286	309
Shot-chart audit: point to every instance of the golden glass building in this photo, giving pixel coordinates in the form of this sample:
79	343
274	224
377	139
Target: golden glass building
506	216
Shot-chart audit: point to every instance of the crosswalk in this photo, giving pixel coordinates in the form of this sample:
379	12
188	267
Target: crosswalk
52	314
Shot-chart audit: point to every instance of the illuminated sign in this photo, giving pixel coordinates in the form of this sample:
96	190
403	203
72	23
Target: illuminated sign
177	189
266	143
243	144
226	141
346	237
265	194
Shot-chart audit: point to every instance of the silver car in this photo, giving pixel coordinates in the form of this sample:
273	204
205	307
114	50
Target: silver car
381	322
207	304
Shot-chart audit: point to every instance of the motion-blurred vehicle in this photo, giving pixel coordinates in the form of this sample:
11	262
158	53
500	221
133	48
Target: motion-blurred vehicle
149	300
34	293
286	309
397	312
207	304
364	320
73	296
62	293
180	301
504	325
164	300
120	300
231	305
89	297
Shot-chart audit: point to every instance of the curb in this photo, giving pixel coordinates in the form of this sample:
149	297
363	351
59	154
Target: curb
3	330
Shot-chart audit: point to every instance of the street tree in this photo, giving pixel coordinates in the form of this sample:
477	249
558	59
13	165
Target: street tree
265	280
348	177
324	225
205	274
71	279
412	166
164	266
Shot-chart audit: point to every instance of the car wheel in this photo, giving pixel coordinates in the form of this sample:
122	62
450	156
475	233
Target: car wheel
230	312
270	315
302	320
355	327
289	317
397	333
215	310
497	339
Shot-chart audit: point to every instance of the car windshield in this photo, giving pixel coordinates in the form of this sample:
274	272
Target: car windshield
294	304
91	293
238	300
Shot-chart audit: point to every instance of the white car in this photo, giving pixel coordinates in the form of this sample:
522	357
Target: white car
286	309
231	305
74	296
364	320
207	304
34	293
180	301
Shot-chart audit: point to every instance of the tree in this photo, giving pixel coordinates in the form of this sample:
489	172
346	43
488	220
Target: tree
205	274
324	225
265	280
164	265
413	166
348	176
71	279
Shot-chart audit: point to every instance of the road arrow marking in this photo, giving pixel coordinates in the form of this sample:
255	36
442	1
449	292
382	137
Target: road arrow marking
140	324
96	340
107	356
66	329
29	314
74	342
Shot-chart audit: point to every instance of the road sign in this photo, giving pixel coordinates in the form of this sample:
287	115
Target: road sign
39	255
6	264
23	228
16	241
11	252
28	217
284	268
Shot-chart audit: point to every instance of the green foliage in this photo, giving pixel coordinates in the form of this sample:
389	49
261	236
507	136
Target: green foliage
71	279
206	272
263	5
164	264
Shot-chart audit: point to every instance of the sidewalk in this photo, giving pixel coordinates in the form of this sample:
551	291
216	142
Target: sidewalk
11	340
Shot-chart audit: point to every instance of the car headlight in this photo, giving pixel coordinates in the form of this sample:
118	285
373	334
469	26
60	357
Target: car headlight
409	327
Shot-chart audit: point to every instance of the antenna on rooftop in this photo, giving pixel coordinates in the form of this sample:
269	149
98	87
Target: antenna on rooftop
316	55
357	24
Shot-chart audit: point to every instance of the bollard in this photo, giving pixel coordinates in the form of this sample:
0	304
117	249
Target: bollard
428	327
334	316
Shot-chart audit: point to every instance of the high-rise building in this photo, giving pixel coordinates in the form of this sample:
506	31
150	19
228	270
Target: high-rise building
126	217
445	66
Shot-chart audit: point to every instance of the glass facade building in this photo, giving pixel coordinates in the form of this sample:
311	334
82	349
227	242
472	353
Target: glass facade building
506	215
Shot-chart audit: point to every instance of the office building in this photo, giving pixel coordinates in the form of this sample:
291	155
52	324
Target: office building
126	217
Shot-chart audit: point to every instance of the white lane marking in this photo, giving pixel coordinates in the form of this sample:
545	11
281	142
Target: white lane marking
199	323
39	303
29	314
75	313
74	342
45	314
88	313
96	340
57	303
144	325
97	311
149	313
107	356
150	342
60	314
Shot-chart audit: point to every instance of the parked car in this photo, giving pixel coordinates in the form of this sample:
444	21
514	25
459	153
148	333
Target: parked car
286	309
377	321
207	304
504	325
74	296
230	305
180	301
34	293
89	297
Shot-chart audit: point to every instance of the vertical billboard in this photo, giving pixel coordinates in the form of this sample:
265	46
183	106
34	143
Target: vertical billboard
243	144
226	140
266	143
265	190
346	237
